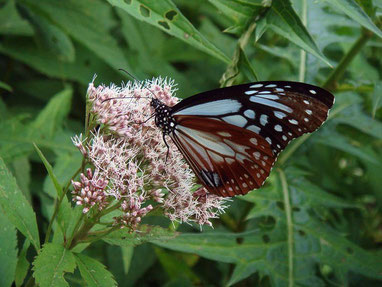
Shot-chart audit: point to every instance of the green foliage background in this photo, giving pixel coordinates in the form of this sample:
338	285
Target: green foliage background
316	222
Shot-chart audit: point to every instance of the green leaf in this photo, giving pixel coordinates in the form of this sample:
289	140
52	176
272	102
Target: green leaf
49	169
146	233
11	23
16	207
51	264
22	264
354	11
93	272
8	251
5	86
377	98
283	20
87	22
290	250
51	118
22	171
167	17
49	36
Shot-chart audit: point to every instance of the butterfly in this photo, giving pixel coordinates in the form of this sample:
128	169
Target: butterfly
231	137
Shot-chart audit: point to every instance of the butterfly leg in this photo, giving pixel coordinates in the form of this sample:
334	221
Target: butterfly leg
168	148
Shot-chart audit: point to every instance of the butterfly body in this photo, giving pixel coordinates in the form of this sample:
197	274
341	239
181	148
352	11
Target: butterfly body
231	137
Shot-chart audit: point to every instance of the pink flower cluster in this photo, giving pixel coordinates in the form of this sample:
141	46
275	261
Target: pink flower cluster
129	154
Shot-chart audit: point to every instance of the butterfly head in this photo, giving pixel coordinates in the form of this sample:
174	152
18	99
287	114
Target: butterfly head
163	117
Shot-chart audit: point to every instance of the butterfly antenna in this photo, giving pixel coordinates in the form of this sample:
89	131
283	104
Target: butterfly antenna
132	76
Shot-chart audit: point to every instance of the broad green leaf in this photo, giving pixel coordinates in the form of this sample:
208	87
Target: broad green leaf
354	11
87	22
127	255
22	171
146	233
8	250
51	264
11	23
49	37
51	118
94	272
166	16
283	20
22	264
82	70
16	207
174	267
267	251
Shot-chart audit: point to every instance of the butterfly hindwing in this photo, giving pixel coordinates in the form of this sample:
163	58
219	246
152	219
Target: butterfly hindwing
229	160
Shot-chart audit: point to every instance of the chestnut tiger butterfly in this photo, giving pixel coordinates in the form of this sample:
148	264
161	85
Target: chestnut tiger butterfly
231	137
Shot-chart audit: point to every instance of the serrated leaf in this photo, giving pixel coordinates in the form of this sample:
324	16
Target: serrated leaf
283	20
51	264
49	36
167	17
8	250
16	207
94	272
146	233
22	264
354	11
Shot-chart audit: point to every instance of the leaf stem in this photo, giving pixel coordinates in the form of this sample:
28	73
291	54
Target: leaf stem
332	81
57	206
301	76
288	213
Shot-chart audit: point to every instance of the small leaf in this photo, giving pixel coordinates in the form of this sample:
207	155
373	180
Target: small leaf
16	207
49	169
8	251
5	86
93	272
22	264
51	264
154	13
283	20
354	11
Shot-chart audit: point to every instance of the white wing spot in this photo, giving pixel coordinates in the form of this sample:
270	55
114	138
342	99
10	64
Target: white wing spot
256	155
230	189
265	157
279	115
250	92
290	134
264	92
213	108
278	128
270	97
263	120
246	175
270	103
251	182
263	163
279	90
284	138
258	175
245	185
254	129
256	86
306	102
306	119
253	140
271	86
268	140
237	187
293	122
278	146
224	134
299	130
235	120
313	92
249	114
287	87
309	112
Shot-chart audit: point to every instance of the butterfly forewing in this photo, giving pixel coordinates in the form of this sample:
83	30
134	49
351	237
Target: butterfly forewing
232	136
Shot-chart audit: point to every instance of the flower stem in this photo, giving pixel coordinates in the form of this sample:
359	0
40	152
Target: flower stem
301	76
332	81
